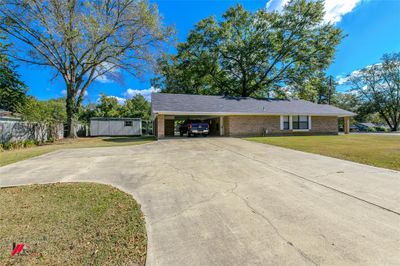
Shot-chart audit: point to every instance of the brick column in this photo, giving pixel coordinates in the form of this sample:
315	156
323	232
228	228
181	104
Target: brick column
346	124
160	126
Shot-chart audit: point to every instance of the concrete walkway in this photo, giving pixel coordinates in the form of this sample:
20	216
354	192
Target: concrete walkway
225	201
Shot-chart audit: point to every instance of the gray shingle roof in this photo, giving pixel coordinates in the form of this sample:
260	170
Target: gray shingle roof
165	103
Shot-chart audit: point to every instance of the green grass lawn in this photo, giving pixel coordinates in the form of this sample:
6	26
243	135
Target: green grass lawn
376	150
71	224
7	157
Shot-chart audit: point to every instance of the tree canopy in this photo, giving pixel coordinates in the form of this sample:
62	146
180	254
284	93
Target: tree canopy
378	87
137	106
12	89
108	106
84	40
252	53
51	112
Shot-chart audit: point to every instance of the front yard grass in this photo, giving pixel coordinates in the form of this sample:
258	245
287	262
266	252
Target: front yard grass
377	150
7	157
71	224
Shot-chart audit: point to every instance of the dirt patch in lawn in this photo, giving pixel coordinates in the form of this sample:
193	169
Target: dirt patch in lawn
71	224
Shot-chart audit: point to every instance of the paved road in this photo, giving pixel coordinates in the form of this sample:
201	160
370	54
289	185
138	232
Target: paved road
225	201
377	133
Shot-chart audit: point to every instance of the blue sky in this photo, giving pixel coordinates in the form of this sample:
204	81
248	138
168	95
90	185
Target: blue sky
372	28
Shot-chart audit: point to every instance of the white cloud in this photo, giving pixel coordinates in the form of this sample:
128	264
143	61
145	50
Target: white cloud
119	99
334	9
109	76
103	79
276	5
129	93
341	80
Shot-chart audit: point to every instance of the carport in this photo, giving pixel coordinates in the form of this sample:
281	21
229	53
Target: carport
168	124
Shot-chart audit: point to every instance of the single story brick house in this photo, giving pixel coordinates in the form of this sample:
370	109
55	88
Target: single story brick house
245	116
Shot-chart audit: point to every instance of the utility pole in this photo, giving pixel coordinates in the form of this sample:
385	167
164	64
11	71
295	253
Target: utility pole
330	90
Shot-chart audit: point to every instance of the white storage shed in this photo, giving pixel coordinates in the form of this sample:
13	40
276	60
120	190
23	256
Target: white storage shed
115	126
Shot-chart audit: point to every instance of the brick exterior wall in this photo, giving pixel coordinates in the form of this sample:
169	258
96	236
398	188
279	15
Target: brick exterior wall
324	124
250	125
169	128
238	126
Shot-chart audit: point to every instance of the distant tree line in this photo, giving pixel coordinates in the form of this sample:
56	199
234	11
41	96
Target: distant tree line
377	89
108	106
374	93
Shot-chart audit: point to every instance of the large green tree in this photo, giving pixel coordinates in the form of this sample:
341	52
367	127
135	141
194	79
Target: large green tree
251	53
83	40
378	87
48	112
108	107
12	89
47	115
319	89
137	106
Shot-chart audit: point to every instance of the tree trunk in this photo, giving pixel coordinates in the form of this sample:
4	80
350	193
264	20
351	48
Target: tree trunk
395	126
71	119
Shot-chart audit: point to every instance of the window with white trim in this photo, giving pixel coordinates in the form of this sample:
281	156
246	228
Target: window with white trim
296	122
286	120
300	121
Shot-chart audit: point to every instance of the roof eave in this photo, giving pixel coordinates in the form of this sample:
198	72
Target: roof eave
254	114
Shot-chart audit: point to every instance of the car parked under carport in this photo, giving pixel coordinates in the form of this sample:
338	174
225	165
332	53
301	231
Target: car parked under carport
173	124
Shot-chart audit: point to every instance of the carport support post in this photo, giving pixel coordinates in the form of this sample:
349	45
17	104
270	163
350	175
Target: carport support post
160	126
346	124
221	125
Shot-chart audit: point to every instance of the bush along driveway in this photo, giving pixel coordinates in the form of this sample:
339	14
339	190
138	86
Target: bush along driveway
224	201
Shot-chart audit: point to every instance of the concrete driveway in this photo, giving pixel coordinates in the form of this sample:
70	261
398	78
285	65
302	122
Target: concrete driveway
225	201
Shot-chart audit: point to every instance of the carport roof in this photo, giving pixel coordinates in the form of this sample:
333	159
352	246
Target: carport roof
187	104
